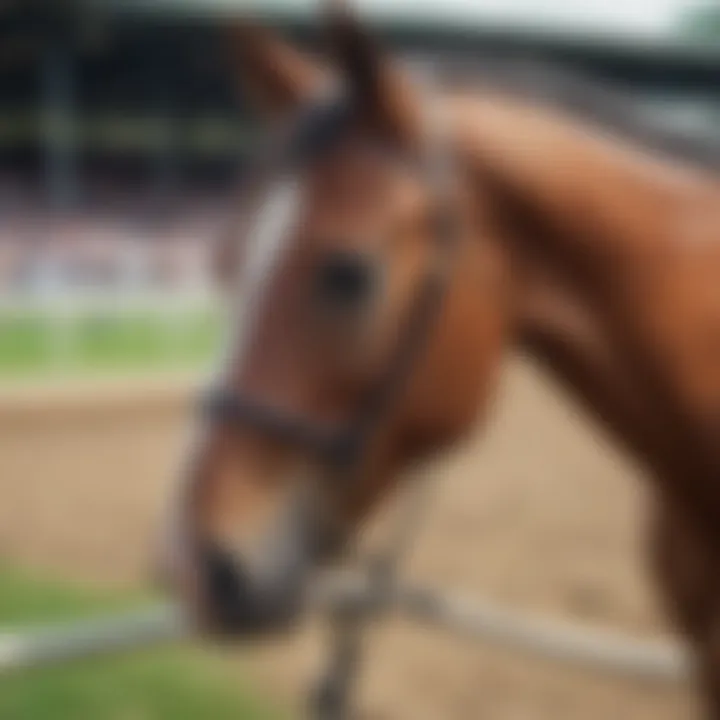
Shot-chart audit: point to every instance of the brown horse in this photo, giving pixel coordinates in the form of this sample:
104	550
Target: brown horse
595	255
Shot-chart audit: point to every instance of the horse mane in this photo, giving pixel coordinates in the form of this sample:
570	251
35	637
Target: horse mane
587	98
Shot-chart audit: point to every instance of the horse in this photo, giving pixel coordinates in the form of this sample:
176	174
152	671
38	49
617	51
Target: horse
396	243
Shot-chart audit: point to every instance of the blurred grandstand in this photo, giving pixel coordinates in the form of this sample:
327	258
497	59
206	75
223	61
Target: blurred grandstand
121	131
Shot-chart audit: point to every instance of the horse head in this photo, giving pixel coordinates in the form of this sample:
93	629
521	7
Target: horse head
366	325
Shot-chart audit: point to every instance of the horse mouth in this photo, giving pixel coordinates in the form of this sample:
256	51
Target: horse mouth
249	620
233	602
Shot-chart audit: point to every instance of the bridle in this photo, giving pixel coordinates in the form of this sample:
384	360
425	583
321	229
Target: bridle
344	447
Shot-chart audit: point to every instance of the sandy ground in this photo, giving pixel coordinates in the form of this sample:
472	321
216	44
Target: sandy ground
539	515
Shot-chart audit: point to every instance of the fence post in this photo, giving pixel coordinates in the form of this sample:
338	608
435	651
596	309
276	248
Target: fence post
59	130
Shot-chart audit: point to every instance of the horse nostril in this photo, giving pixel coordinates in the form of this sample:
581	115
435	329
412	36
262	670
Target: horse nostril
226	588
345	279
235	604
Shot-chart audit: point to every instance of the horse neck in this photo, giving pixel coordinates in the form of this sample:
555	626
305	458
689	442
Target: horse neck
561	334
592	204
587	218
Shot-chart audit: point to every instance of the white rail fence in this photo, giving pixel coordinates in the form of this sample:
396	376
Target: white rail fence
551	640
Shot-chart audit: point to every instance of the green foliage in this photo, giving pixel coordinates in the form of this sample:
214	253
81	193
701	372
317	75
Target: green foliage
174	684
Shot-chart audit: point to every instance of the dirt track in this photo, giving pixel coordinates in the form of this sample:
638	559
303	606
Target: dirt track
540	515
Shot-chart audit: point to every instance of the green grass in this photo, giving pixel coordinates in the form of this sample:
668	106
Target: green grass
29	346
171	684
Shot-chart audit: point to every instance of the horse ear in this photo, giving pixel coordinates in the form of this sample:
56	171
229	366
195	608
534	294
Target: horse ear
275	77
383	94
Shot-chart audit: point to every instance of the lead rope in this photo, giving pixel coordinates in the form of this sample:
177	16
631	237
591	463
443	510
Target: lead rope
349	621
333	696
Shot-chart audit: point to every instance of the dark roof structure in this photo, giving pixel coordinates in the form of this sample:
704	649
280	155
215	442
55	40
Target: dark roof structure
148	82
438	28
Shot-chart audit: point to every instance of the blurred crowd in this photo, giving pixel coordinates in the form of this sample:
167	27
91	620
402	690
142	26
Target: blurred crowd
105	251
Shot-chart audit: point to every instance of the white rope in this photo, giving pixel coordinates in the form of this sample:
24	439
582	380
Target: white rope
590	648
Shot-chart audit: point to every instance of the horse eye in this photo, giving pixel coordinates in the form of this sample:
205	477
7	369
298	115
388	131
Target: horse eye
345	279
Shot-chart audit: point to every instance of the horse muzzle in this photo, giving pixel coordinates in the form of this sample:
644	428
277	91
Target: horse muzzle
235	601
